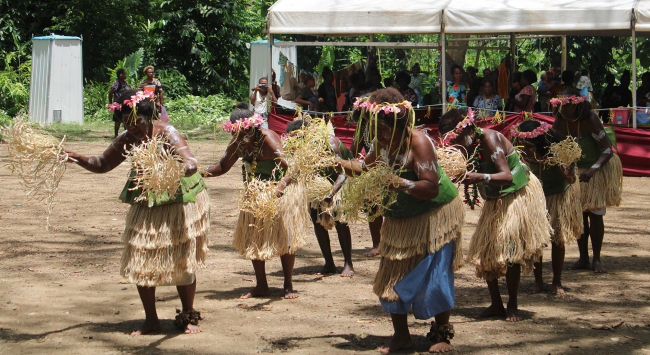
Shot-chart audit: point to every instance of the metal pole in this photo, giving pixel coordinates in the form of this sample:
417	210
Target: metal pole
633	77
512	55
443	70
269	77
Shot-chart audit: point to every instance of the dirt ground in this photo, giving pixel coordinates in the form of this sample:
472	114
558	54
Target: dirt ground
61	291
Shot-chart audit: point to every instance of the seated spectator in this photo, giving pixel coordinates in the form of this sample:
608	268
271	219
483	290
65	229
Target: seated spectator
403	80
307	99
542	92
417	77
375	82
353	90
584	84
643	93
388	82
457	89
326	92
475	89
567	83
489	102
486	73
606	100
525	99
622	96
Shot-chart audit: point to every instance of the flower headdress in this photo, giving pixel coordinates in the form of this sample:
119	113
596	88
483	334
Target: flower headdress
135	99
243	123
363	104
469	120
133	103
542	129
563	100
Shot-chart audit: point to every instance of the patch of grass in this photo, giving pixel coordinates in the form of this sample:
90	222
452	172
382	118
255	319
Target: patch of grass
103	131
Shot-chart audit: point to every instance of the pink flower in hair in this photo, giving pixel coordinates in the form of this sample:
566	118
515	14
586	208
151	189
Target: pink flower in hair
227	126
115	106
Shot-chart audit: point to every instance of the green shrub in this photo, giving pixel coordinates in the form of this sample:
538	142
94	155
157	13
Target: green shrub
174	84
199	111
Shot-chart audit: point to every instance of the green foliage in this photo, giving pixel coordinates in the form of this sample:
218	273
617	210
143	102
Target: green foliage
196	111
174	83
15	78
96	101
132	64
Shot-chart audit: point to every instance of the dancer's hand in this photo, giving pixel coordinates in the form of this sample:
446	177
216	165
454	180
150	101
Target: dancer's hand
587	175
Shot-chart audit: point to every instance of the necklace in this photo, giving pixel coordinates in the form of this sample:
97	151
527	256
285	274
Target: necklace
255	153
471	197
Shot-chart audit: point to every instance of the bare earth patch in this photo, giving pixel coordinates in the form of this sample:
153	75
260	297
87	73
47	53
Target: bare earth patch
61	291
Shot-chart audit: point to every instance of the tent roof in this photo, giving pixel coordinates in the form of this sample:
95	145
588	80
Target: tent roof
642	12
594	17
362	17
358	17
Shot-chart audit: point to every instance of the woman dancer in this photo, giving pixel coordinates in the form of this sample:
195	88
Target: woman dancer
561	192
260	150
421	234
513	227
166	243
600	171
321	219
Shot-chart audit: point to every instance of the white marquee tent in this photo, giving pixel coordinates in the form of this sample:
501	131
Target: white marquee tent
542	17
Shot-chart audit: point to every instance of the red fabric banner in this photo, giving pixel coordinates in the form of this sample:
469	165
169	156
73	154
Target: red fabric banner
633	144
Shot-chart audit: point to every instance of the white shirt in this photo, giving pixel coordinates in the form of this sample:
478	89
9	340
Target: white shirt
262	103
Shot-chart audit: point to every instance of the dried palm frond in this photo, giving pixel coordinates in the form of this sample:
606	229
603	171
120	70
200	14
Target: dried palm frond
259	198
565	152
453	162
158	169
308	150
362	195
38	159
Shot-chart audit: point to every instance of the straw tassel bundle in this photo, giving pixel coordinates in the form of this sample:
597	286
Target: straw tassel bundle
453	162
605	188
166	244
257	239
158	168
38	158
565	215
308	150
259	199
565	152
406	241
361	194
511	230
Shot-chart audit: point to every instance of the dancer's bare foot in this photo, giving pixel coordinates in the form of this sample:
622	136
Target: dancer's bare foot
538	288
440	348
598	267
257	291
513	315
328	268
289	293
556	289
193	329
372	253
492	311
348	270
396	343
578	265
147	327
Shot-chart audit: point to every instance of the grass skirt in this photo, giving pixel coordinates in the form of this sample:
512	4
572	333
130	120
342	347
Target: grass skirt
406	241
286	234
605	188
511	230
565	215
165	245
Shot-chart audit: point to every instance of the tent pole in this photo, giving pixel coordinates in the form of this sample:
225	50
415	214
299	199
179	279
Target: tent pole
513	47
269	77
564	53
633	77
443	70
